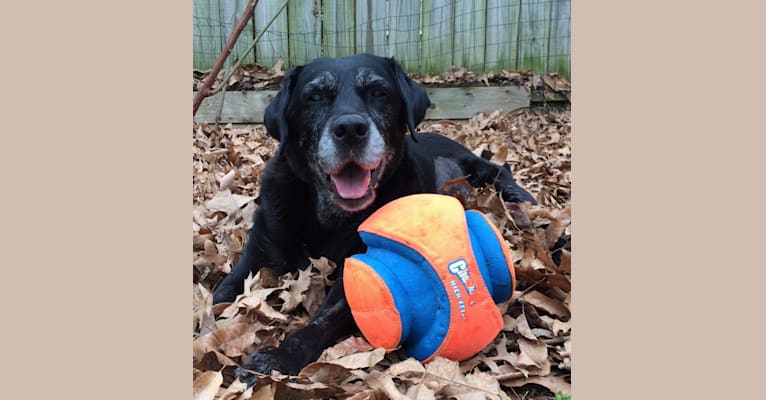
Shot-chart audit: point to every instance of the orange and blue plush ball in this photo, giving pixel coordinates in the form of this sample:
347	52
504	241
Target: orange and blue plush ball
430	278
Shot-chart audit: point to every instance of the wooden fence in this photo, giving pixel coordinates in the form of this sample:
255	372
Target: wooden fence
426	36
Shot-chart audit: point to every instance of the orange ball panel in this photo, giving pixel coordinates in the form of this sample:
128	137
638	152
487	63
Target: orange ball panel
372	305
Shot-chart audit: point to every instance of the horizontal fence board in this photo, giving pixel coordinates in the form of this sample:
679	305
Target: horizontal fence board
465	102
447	103
238	107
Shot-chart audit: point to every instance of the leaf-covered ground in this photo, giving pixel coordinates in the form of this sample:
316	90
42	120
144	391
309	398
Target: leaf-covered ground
529	359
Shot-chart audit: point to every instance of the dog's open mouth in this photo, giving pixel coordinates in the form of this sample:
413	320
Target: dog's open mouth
352	181
354	185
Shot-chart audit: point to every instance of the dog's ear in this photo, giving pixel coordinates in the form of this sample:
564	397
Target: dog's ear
274	117
415	98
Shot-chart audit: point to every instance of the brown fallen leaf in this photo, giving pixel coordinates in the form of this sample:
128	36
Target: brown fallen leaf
252	298
293	296
324	372
501	155
237	390
231	340
350	345
533	358
360	360
407	368
277	68
441	372
265	392
522	327
369	394
559	281
315	294
210	258
420	392
226	202
203	317
213	360
566	261
270	313
383	382
297	390
561	220
553	383
481	385
206	385
228	179
546	303
198	242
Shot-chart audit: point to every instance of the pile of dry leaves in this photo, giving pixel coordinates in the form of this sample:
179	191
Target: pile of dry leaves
529	359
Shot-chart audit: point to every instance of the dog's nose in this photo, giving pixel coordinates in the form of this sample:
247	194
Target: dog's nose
350	127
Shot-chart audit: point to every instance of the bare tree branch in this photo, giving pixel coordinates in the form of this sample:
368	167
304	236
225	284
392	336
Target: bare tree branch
208	83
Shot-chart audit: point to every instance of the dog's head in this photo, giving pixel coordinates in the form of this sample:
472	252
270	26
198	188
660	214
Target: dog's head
341	124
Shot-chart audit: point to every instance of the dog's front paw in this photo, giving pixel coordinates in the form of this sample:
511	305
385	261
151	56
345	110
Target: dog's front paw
264	362
516	194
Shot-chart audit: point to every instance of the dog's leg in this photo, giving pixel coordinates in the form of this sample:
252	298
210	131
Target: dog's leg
332	321
273	240
261	251
482	172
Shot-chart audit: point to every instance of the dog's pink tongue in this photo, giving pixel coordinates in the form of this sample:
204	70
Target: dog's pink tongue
351	182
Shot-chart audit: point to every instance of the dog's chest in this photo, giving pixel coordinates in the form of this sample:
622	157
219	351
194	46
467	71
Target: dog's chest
335	244
330	232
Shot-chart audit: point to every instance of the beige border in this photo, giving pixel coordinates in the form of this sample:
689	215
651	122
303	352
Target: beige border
95	199
665	103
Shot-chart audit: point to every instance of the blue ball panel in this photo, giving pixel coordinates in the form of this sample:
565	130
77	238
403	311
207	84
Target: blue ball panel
428	299
494	260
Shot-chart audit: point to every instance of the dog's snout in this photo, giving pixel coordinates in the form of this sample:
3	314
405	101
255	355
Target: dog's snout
350	127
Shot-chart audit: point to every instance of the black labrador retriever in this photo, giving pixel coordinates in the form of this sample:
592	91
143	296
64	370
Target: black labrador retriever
344	152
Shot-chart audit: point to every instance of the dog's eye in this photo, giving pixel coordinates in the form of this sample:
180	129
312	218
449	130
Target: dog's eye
377	93
315	97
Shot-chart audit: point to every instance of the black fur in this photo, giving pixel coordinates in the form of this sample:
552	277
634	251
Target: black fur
301	214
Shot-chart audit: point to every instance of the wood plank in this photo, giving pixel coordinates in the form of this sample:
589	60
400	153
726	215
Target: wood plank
447	103
231	12
502	34
338	34
465	102
533	35
559	51
371	27
238	107
207	42
438	40
305	27
273	43
403	33
470	27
